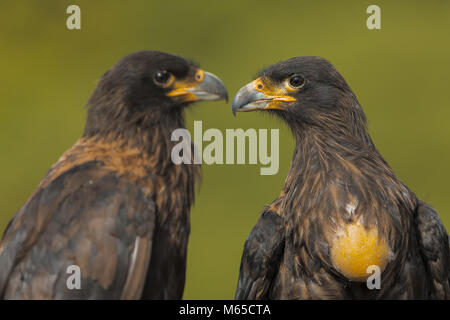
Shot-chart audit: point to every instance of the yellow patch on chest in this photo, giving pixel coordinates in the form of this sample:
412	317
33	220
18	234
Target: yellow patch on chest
356	248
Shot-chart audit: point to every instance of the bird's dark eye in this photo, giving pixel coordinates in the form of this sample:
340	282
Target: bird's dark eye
296	82
162	77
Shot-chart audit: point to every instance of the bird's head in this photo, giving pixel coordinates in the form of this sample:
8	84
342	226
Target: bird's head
150	85
302	90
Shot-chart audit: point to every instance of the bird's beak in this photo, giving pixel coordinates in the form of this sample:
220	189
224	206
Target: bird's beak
259	96
205	87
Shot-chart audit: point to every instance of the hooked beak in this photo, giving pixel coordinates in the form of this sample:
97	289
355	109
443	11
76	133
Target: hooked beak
256	96
208	88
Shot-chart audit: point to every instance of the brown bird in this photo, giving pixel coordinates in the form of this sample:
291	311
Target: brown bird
343	221
114	205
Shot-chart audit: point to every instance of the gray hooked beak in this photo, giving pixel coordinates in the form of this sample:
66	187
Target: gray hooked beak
210	89
207	88
250	98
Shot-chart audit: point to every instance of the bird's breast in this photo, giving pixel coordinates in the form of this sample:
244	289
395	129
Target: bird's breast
355	248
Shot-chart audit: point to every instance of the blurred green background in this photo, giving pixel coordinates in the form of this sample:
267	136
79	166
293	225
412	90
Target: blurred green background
400	74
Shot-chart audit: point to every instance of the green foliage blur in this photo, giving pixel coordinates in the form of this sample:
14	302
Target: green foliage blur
400	74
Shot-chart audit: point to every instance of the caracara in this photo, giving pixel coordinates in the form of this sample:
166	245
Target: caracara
114	207
343	215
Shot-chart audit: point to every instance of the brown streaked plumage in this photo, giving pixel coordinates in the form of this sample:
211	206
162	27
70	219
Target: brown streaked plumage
342	208
114	204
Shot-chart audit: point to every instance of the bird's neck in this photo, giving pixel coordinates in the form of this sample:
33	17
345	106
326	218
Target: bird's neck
146	136
318	147
328	160
142	153
324	156
330	137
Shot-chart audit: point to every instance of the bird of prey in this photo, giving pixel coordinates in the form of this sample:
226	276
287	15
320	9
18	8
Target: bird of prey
343	215
114	207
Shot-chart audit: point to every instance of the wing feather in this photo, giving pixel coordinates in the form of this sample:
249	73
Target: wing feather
434	247
86	217
261	258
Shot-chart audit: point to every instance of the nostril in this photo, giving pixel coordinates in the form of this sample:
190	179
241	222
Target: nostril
199	75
